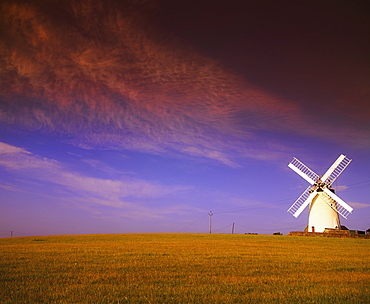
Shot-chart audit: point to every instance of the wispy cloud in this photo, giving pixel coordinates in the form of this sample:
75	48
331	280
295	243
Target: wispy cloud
125	193
111	82
357	205
341	188
9	149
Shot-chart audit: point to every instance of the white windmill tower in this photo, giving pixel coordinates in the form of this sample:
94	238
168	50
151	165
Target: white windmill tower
325	205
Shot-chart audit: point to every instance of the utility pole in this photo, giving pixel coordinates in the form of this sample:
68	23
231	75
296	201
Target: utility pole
232	230
11	233
210	221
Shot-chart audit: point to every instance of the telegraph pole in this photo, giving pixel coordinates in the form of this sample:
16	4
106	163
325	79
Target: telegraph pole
11	233
210	221
232	230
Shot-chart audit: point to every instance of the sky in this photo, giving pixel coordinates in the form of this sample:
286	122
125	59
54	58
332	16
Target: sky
143	116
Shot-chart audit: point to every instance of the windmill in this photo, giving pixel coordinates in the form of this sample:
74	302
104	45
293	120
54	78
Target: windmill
325	205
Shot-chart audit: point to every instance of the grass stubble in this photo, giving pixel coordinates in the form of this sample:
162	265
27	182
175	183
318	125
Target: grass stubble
184	268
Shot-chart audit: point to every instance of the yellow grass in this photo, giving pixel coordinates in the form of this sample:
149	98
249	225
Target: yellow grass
184	268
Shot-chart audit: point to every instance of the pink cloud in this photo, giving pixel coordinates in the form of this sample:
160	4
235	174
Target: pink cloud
107	82
9	149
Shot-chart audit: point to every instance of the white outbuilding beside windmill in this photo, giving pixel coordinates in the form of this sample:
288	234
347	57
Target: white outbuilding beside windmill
325	205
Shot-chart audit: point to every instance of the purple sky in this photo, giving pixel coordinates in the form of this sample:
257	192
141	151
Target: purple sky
142	116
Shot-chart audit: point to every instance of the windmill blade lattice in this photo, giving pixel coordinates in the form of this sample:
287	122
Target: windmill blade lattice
302	170
338	200
336	169
301	203
336	207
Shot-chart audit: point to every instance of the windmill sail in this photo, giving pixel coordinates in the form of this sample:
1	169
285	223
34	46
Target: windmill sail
336	169
339	201
336	207
303	171
301	203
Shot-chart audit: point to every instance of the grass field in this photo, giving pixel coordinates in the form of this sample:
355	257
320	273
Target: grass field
184	268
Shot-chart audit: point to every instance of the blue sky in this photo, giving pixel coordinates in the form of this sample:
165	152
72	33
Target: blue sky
145	116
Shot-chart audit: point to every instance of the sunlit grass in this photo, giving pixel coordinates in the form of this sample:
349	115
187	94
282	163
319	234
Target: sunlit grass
184	268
